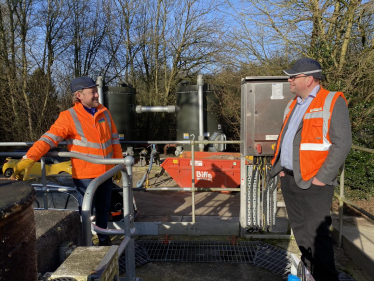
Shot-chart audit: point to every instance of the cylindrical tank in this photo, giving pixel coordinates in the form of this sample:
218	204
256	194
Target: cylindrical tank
17	231
188	112
121	103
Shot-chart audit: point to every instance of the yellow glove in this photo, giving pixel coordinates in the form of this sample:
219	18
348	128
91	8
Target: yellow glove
117	177
24	165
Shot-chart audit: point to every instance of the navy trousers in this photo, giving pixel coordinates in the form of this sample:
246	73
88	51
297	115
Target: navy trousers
101	201
309	215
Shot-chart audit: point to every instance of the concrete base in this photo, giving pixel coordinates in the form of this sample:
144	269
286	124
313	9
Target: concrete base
90	263
365	262
53	228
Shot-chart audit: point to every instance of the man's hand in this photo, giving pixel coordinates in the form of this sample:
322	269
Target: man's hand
117	177
315	181
281	174
21	166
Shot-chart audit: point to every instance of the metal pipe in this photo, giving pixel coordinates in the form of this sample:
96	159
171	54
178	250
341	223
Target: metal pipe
100	230
128	218
127	206
200	84
167	146
341	205
100	84
200	189
66	154
193	176
366	213
362	148
88	198
123	245
178	142
52	188
167	109
44	184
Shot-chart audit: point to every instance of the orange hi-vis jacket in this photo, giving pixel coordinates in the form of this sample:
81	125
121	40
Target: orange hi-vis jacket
315	139
95	136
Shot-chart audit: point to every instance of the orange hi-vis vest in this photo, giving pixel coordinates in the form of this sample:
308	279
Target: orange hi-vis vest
95	136
315	139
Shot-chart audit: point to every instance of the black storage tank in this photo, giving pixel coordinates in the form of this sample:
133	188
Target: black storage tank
188	113
121	103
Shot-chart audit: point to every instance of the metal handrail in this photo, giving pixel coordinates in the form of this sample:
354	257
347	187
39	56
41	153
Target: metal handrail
191	142
342	199
128	244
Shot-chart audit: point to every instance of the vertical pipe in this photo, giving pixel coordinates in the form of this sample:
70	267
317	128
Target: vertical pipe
193	176
341	196
100	84
44	183
128	218
243	195
200	84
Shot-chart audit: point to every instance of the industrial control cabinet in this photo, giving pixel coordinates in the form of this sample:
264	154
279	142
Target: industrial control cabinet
263	101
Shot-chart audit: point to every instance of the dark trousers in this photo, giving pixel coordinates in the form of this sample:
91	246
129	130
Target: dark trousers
101	201
309	215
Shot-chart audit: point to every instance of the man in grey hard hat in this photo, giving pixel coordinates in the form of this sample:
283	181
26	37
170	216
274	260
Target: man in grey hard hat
313	144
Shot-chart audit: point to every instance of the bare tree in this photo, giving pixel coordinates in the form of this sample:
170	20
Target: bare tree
15	23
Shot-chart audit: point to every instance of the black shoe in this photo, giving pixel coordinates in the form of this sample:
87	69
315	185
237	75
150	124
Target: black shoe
106	242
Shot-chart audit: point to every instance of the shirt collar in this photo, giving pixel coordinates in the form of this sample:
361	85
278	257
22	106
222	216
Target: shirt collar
312	94
91	111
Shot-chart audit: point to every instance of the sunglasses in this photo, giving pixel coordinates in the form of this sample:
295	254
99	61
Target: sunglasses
294	77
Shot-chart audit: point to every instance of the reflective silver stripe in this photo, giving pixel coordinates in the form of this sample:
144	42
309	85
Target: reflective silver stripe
90	155
107	144
84	143
107	116
326	117
110	155
311	115
115	136
54	137
47	140
304	72
315	146
326	112
77	123
287	110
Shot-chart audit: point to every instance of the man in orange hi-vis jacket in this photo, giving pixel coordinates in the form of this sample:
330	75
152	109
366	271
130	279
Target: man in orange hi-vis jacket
88	129
313	143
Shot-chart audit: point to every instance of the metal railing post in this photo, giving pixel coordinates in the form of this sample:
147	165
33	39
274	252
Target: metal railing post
341	205
193	176
44	183
200	84
128	220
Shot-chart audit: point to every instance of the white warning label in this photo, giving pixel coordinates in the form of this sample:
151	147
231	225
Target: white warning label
277	91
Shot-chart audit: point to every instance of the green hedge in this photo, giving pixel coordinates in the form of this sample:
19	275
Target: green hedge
359	177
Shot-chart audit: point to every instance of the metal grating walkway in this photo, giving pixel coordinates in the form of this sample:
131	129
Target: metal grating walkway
257	253
253	252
